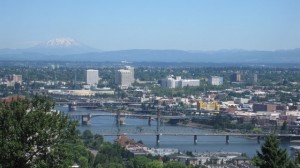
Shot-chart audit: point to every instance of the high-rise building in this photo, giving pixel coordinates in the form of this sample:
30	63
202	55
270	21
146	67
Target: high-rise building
124	77
17	78
236	77
131	69
216	80
92	77
255	78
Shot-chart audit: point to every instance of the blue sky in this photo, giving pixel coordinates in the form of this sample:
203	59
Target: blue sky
153	24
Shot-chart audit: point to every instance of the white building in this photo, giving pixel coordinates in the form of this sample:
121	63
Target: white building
171	83
189	82
216	80
124	77
131	69
91	77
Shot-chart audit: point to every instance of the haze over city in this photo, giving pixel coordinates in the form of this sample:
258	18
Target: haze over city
171	24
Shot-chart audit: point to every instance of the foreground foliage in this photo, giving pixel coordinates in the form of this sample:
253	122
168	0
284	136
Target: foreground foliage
31	135
272	155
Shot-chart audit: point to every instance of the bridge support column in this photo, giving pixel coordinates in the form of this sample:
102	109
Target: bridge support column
86	119
258	139
195	139
149	121
158	121
227	139
72	107
157	139
118	119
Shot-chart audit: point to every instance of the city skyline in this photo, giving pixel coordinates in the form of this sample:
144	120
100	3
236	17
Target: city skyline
193	25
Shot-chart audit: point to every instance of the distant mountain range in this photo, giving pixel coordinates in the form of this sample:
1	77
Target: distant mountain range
67	49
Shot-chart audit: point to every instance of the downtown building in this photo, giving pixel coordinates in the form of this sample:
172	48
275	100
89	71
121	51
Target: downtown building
216	80
236	77
124	77
92	77
13	80
177	82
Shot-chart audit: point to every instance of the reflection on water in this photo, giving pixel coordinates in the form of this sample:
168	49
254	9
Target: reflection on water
107	124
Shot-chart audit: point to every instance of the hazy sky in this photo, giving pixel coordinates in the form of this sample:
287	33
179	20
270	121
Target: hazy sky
153	24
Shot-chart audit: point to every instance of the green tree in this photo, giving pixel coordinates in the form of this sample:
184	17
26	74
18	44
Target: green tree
189	153
87	134
111	153
140	161
297	159
154	164
257	130
83	162
272	155
114	165
174	164
98	140
87	138
31	134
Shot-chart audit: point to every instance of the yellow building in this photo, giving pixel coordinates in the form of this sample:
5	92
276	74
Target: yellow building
208	105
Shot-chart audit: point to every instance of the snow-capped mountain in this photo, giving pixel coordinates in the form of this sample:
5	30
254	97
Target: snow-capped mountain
60	42
61	46
68	49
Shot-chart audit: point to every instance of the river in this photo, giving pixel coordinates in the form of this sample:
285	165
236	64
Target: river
106	124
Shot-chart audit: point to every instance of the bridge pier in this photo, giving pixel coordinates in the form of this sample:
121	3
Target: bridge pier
72	107
158	121
258	139
195	139
227	139
118	119
157	139
86	119
149	121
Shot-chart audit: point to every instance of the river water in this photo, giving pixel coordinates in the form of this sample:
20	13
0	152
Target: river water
106	124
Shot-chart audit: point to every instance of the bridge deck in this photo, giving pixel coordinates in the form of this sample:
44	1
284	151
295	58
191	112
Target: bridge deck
122	114
199	134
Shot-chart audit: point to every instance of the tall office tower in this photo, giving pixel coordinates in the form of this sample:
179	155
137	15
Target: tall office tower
255	78
236	77
91	77
17	78
131	69
169	82
124	77
216	80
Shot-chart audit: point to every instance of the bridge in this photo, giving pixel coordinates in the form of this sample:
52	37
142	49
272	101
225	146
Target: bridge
147	131
87	116
195	135
74	104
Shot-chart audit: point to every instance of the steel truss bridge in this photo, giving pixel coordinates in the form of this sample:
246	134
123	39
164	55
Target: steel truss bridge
118	130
